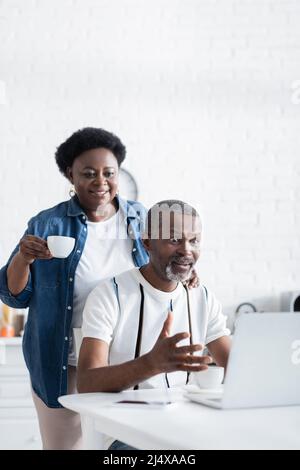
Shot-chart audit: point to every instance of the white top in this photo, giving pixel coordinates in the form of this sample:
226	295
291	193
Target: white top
106	252
117	323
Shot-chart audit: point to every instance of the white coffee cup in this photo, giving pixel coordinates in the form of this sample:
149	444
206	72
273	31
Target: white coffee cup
209	378
59	246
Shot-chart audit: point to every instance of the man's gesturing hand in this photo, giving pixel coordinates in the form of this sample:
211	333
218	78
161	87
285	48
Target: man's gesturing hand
166	356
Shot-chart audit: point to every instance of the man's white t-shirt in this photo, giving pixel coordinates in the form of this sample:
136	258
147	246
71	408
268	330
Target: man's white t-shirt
112	313
107	251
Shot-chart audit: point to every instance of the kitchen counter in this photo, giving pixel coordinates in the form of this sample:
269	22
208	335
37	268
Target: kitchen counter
18	421
15	341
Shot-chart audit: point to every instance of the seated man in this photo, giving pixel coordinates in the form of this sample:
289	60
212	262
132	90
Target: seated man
133	323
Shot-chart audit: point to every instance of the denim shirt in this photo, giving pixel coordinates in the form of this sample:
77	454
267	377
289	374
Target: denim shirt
49	293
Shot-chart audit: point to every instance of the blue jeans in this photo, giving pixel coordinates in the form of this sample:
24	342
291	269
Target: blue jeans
118	445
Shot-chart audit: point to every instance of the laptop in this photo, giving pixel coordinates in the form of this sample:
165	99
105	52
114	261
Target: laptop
264	364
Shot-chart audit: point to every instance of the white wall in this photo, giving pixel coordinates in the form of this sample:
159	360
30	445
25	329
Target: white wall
201	92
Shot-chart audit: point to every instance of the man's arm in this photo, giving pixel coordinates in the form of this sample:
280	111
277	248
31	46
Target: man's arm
220	349
95	375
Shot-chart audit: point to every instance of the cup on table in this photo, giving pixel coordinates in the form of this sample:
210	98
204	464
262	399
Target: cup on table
59	246
209	378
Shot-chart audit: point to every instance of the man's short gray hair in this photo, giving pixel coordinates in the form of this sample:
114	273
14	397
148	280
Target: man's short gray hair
158	220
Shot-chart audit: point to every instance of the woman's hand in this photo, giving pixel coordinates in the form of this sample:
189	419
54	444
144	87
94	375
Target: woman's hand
193	281
32	248
166	356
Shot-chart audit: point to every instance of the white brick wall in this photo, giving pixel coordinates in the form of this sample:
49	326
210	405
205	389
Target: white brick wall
206	96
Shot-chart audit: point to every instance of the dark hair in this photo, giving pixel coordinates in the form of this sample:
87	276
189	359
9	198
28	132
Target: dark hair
84	139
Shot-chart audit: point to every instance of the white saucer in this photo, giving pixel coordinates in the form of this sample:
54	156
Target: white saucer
213	399
194	389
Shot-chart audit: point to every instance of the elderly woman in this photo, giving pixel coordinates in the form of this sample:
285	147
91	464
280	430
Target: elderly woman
107	233
55	289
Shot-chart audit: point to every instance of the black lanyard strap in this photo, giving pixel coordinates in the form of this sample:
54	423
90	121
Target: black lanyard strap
190	324
189	313
140	329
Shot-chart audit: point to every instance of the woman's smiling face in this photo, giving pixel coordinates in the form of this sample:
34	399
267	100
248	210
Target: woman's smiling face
94	175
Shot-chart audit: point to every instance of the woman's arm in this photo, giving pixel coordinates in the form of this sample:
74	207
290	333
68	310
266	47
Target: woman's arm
17	274
30	249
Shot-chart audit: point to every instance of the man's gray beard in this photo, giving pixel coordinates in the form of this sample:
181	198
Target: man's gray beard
177	277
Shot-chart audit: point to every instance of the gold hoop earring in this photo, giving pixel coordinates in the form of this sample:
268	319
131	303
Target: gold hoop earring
72	191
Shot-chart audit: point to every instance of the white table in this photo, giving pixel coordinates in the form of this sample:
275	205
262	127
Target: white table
186	426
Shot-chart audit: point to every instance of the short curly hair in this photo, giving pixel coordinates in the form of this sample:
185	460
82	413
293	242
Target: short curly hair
84	139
